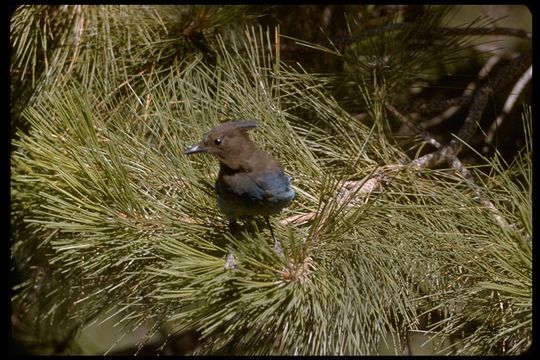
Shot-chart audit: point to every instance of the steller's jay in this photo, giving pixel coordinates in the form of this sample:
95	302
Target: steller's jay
250	182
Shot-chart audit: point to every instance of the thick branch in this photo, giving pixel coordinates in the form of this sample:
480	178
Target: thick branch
510	71
509	104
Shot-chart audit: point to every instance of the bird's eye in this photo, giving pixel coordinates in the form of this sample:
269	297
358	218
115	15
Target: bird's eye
217	141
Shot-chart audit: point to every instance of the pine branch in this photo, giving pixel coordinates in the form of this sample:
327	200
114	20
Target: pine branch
454	162
114	224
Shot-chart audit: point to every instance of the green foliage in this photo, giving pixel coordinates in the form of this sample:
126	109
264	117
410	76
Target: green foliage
110	218
493	314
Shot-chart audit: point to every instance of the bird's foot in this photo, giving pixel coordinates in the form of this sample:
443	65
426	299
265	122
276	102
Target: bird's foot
230	263
277	248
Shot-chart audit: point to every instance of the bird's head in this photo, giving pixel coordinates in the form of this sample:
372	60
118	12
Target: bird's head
229	142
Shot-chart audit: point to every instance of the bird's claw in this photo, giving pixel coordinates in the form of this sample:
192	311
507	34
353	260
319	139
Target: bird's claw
230	263
278	249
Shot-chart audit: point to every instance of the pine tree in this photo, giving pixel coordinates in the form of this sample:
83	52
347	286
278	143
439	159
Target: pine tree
110	218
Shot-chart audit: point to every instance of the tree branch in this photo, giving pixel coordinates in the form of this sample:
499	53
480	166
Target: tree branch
453	161
509	104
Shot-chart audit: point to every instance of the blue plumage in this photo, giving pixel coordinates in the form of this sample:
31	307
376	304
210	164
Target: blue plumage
253	194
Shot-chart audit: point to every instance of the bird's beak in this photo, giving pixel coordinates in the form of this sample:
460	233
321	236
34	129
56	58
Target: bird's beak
195	149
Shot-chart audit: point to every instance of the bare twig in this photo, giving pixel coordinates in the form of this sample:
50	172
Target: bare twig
298	219
453	161
412	125
509	104
480	195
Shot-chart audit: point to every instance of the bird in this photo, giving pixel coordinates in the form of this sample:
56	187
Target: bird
250	181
